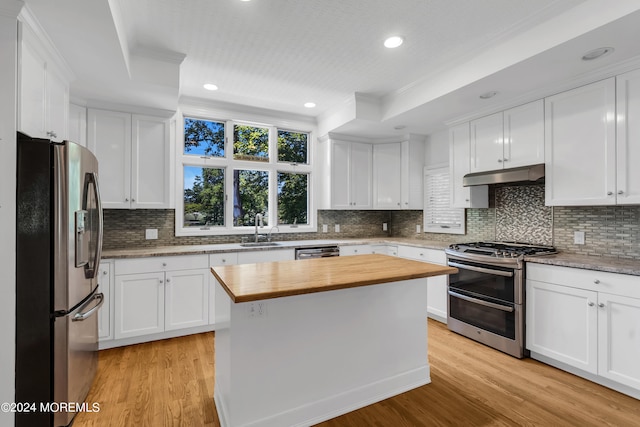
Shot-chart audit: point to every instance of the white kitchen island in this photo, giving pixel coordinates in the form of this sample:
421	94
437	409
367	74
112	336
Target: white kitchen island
299	342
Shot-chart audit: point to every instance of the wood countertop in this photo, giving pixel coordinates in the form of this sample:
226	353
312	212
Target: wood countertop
253	282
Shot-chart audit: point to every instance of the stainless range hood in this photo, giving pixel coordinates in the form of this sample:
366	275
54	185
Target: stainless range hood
503	176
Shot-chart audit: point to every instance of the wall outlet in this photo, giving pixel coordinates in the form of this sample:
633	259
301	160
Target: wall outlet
418	228
257	309
151	233
336	228
325	228
384	226
578	237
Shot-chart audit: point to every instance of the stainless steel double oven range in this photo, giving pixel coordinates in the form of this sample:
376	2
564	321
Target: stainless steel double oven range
487	295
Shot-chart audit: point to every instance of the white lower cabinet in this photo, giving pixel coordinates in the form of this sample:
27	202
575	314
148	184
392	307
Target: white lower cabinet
158	294
105	316
589	320
356	250
216	260
437	285
251	257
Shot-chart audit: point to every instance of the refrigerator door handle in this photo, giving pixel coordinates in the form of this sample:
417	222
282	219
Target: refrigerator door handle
93	272
80	316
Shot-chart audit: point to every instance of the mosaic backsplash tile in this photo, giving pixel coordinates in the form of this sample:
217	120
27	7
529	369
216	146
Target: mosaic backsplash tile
521	215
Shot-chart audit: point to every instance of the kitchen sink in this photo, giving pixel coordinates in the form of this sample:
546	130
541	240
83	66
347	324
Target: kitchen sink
259	244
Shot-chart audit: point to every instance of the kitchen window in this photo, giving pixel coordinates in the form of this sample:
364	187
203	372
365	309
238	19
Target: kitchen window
232	171
439	216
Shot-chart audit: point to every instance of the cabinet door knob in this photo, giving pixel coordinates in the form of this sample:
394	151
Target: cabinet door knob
133	200
609	193
601	305
126	200
620	192
591	304
164	264
597	282
161	281
499	160
168	280
105	272
224	260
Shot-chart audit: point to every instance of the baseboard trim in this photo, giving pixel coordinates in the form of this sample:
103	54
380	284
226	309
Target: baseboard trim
336	405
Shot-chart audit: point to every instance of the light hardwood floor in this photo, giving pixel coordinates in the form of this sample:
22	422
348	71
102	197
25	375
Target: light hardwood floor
170	383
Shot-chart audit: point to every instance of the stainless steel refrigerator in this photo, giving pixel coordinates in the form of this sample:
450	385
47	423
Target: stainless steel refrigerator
58	249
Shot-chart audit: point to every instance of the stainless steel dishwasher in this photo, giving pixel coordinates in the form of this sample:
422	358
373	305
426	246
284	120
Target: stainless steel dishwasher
319	252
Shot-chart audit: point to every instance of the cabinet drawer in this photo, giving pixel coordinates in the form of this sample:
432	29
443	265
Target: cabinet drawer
230	258
355	250
599	281
157	264
435	256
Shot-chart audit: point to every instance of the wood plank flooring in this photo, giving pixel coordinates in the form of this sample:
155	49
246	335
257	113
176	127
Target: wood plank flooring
170	383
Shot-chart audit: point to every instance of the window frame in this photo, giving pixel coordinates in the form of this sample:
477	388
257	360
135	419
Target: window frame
229	164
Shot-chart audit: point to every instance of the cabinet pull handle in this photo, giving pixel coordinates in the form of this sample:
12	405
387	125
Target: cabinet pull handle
620	192
591	304
164	264
133	200
168	280
609	193
224	260
601	305
126	200
499	160
161	281
597	282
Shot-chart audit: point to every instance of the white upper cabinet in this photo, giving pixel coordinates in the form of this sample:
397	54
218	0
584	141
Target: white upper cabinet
508	139
134	159
524	135
459	165
78	124
43	87
411	178
486	143
387	171
351	174
580	146
628	138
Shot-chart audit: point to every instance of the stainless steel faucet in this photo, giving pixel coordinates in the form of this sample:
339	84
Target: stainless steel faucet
270	231
258	220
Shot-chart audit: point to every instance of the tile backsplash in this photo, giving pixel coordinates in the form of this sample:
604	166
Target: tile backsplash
516	213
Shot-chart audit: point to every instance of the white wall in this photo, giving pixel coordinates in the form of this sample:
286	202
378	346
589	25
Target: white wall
8	102
437	149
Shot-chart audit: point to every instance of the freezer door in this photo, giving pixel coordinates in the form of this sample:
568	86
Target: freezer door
76	355
77	225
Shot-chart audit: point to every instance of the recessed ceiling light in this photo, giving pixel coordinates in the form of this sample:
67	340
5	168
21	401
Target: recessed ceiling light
597	53
309	104
393	42
488	95
210	86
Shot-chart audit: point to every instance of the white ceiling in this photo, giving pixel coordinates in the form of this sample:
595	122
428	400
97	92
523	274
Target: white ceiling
279	54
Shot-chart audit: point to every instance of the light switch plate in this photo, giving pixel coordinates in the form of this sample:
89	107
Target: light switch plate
578	237
384	226
151	233
325	228
337	228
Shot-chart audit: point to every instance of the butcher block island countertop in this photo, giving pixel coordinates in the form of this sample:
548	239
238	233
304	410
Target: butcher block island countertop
254	282
300	342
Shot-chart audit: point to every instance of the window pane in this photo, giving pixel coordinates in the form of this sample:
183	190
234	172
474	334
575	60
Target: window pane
203	138
250	196
292	147
250	143
293	191
203	197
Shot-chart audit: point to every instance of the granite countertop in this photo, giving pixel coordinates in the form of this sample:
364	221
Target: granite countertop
236	247
611	265
254	282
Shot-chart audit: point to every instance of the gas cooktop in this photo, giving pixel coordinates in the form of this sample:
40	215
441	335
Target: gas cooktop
501	249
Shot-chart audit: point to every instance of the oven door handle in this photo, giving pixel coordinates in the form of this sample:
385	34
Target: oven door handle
481	270
481	302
